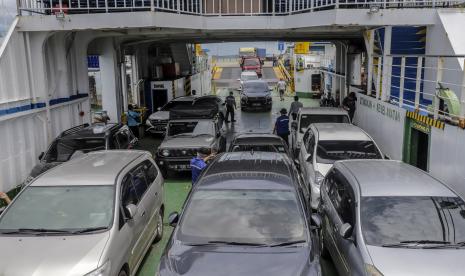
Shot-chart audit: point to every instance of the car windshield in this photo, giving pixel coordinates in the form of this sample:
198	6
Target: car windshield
243	216
328	152
251	62
249	77
266	148
256	87
193	128
393	220
60	208
63	149
308	119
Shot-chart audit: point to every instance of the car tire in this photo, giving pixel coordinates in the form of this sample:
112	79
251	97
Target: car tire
159	228
123	273
242	108
324	253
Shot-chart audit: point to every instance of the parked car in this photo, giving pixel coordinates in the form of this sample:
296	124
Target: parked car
189	130
259	142
256	95
247	76
389	218
311	115
246	215
156	123
325	143
252	64
82	139
95	215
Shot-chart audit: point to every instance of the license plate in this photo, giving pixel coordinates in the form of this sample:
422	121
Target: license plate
256	104
180	167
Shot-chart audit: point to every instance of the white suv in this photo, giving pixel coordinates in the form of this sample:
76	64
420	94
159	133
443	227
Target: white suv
324	144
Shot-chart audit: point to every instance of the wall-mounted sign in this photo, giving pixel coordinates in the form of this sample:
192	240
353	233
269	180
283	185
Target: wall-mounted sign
421	126
381	108
302	48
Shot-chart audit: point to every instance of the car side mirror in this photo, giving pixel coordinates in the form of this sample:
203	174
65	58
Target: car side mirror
173	219
345	231
387	157
218	135
308	157
131	211
41	155
294	125
316	220
239	89
297	163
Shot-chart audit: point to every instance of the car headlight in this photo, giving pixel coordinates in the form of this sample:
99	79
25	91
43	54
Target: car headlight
165	152
103	270
148	123
319	178
371	270
244	98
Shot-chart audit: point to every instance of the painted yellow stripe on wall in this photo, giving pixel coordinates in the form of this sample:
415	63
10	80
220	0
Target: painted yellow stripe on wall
278	73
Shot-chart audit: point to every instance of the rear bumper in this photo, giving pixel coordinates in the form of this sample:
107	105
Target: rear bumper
258	104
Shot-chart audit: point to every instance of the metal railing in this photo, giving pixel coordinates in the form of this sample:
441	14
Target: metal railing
219	7
431	84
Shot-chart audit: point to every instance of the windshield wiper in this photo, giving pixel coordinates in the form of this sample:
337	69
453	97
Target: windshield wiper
287	243
414	242
90	229
36	230
227	243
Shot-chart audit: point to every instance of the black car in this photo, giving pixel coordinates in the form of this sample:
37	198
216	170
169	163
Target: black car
83	139
246	215
259	142
256	95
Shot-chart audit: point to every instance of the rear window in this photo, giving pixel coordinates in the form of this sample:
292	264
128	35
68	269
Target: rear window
329	152
251	62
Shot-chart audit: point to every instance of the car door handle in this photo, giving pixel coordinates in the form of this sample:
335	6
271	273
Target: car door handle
143	214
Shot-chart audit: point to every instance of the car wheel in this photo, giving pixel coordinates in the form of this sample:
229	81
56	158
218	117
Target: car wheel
123	273
324	253
242	108
159	228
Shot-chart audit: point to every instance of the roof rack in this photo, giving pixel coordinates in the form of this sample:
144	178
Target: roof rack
74	129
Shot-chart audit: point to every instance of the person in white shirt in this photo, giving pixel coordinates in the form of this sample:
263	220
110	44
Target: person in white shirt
281	88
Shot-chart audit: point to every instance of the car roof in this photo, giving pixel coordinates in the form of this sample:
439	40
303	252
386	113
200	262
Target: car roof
340	132
323	110
94	168
97	130
184	99
393	178
257	138
261	167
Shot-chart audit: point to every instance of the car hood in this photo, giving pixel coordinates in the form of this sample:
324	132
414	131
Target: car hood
257	94
194	261
425	262
323	168
188	142
43	167
51	255
160	116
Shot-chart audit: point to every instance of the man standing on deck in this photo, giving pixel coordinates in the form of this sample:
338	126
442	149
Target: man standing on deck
230	107
281	88
281	127
349	103
295	106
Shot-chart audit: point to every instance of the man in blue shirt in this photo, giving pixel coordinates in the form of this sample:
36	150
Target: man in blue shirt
198	163
281	127
133	124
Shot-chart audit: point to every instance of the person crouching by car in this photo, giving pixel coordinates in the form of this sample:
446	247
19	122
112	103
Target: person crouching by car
281	127
199	163
133	120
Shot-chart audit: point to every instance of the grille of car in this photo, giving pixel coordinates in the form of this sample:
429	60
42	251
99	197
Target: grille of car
183	152
159	124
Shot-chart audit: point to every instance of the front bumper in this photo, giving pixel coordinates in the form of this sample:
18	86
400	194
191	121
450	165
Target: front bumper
156	127
258	103
180	164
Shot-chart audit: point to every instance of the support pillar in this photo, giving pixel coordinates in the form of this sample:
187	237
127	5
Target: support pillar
387	65
109	70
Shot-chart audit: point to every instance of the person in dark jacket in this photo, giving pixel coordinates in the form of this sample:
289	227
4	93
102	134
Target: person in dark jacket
230	107
281	127
349	103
